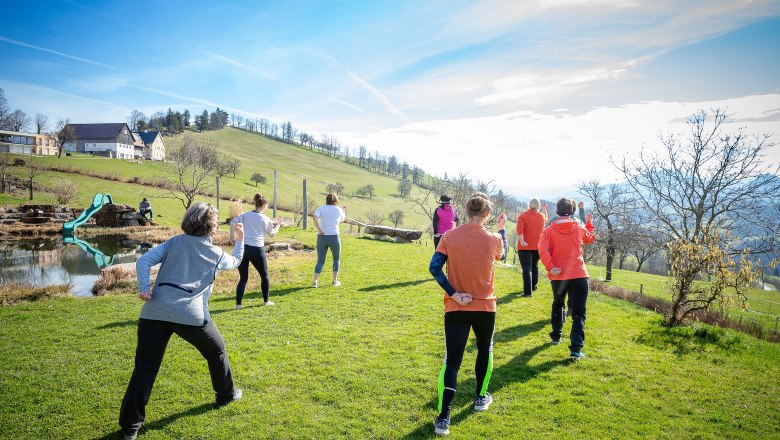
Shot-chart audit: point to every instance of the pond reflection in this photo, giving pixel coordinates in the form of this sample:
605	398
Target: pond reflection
63	260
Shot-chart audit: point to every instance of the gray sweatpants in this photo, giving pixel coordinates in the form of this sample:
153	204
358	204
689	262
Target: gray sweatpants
323	243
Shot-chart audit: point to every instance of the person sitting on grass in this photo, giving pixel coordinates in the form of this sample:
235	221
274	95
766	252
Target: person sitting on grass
560	249
178	304
469	303
146	208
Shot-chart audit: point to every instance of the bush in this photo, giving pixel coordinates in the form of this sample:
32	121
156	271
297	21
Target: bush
64	190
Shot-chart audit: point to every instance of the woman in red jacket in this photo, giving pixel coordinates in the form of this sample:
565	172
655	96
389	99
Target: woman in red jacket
529	227
560	249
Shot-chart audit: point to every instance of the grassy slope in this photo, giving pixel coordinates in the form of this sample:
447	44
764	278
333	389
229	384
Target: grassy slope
361	361
257	154
763	305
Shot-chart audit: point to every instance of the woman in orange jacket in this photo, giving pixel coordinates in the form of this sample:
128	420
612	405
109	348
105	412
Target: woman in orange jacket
529	227
560	249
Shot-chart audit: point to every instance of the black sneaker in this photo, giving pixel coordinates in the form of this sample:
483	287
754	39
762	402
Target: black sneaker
555	341
441	426
526	295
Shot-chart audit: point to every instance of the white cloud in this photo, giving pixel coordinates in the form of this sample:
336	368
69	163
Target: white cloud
43	49
232	62
531	153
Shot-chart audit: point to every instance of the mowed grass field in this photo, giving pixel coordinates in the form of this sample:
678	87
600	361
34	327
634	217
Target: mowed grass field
362	360
257	154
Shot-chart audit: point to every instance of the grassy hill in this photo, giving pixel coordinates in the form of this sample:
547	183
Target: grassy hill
361	361
257	154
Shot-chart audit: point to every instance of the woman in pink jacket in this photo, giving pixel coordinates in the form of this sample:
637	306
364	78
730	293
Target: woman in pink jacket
560	249
444	218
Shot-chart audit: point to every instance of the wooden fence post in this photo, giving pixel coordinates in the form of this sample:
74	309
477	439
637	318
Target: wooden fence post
305	206
274	193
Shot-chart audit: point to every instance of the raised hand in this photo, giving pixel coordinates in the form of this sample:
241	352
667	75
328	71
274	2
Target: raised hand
238	230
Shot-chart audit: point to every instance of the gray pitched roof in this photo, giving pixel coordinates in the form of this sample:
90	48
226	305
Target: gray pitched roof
97	131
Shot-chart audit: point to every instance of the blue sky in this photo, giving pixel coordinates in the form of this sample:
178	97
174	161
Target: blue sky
503	90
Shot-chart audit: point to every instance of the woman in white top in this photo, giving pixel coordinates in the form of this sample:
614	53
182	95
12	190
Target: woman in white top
256	226
327	218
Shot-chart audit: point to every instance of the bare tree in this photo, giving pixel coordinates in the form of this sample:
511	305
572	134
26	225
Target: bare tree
41	123
334	188
192	163
18	120
135	118
5	164
64	133
34	169
709	193
712	179
397	217
609	204
375	217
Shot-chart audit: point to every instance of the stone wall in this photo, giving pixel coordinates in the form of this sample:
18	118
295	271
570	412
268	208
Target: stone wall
36	214
118	216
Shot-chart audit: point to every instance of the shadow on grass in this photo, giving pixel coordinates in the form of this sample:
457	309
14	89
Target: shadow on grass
515	371
394	285
689	339
128	323
512	333
509	297
162	423
259	294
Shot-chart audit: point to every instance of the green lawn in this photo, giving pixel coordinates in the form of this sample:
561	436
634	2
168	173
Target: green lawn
361	361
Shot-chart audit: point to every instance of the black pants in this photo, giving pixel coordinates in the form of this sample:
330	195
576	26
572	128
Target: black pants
529	261
577	289
256	256
153	337
436	241
456	334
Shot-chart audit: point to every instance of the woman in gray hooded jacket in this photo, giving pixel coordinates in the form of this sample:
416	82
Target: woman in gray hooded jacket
178	304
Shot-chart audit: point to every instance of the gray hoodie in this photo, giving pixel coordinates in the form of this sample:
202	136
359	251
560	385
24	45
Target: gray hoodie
186	278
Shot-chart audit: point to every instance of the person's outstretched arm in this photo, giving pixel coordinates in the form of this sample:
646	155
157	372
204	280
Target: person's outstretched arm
232	261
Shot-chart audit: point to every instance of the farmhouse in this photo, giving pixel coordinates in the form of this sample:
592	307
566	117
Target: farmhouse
155	148
27	143
113	140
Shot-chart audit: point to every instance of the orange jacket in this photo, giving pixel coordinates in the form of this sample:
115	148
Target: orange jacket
561	246
530	224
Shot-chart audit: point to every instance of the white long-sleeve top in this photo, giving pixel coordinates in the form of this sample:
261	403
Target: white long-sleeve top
256	226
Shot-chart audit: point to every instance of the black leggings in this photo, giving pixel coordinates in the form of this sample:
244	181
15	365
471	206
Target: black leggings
256	256
456	334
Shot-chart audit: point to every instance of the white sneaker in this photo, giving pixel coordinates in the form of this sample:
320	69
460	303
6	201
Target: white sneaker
239	307
315	285
269	303
336	283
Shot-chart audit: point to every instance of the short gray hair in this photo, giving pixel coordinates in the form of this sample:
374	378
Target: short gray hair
534	203
201	220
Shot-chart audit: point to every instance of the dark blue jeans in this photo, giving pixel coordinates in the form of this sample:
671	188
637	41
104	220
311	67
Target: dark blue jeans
153	337
577	289
529	261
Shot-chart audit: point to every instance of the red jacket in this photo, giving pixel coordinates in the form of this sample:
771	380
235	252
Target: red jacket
530	224
561	246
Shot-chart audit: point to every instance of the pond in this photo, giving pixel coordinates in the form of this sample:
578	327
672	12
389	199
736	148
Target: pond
64	260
